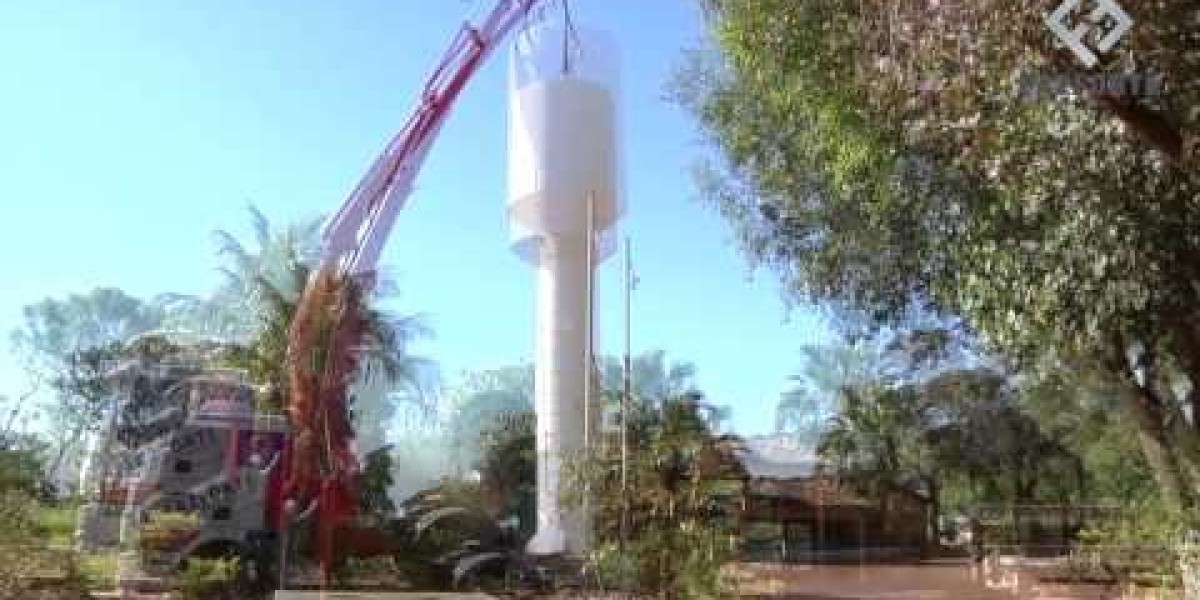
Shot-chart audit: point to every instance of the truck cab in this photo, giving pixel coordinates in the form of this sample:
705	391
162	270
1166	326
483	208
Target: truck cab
187	467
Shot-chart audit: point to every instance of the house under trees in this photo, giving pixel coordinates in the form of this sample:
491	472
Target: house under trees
789	510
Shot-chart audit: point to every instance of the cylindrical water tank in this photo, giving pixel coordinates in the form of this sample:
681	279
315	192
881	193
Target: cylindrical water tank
562	137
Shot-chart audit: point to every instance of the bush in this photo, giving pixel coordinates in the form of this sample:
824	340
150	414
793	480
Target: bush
209	579
1139	545
57	523
26	565
374	498
677	537
165	530
20	471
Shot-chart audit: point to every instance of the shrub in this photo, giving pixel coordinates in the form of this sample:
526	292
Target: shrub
57	523
1140	544
20	471
677	539
165	530
374	499
209	579
25	562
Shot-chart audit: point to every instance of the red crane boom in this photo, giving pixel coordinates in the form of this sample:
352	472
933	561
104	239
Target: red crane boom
327	328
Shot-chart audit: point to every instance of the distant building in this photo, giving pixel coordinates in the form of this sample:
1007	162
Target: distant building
789	511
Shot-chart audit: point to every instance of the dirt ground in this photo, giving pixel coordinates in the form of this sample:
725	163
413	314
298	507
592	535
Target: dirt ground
949	580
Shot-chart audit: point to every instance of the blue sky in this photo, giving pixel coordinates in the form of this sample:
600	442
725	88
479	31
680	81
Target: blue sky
130	130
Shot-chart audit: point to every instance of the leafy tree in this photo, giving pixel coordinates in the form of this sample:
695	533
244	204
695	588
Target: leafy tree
233	311
881	153
652	376
909	355
297	353
827	369
21	471
963	436
876	440
678	536
263	287
1089	416
508	469
984	433
69	344
503	395
375	497
484	398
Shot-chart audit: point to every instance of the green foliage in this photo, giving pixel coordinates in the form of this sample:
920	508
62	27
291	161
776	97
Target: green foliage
99	570
676	533
55	329
374	498
653	377
454	541
19	518
483	399
68	344
805	410
1088	416
57	523
164	531
209	579
1140	544
20	471
881	153
876	435
907	414
1144	524
264	283
493	423
26	563
508	468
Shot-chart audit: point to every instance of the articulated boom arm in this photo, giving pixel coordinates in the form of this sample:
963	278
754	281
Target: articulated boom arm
327	329
356	234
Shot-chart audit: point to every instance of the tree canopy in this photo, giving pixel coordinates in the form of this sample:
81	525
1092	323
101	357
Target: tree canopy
879	154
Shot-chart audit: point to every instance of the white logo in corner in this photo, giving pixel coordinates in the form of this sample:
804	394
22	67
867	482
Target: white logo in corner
1105	25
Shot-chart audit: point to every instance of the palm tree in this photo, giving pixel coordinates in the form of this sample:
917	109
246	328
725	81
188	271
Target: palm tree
652	378
805	410
259	300
320	347
866	436
877	441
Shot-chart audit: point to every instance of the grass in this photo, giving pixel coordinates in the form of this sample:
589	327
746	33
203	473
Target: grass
58	523
98	570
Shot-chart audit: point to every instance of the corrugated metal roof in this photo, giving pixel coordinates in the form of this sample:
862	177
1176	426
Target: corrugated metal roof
777	456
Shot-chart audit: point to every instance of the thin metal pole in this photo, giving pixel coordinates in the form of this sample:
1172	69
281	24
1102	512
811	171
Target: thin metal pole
587	362
627	395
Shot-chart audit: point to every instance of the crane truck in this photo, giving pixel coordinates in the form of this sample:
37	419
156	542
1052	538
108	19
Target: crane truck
203	454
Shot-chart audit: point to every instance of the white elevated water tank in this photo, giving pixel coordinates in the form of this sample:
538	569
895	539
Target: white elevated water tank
563	159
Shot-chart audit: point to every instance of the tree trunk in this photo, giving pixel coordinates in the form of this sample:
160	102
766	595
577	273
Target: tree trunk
935	512
1185	444
1151	127
1156	447
1160	441
1185	429
66	444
